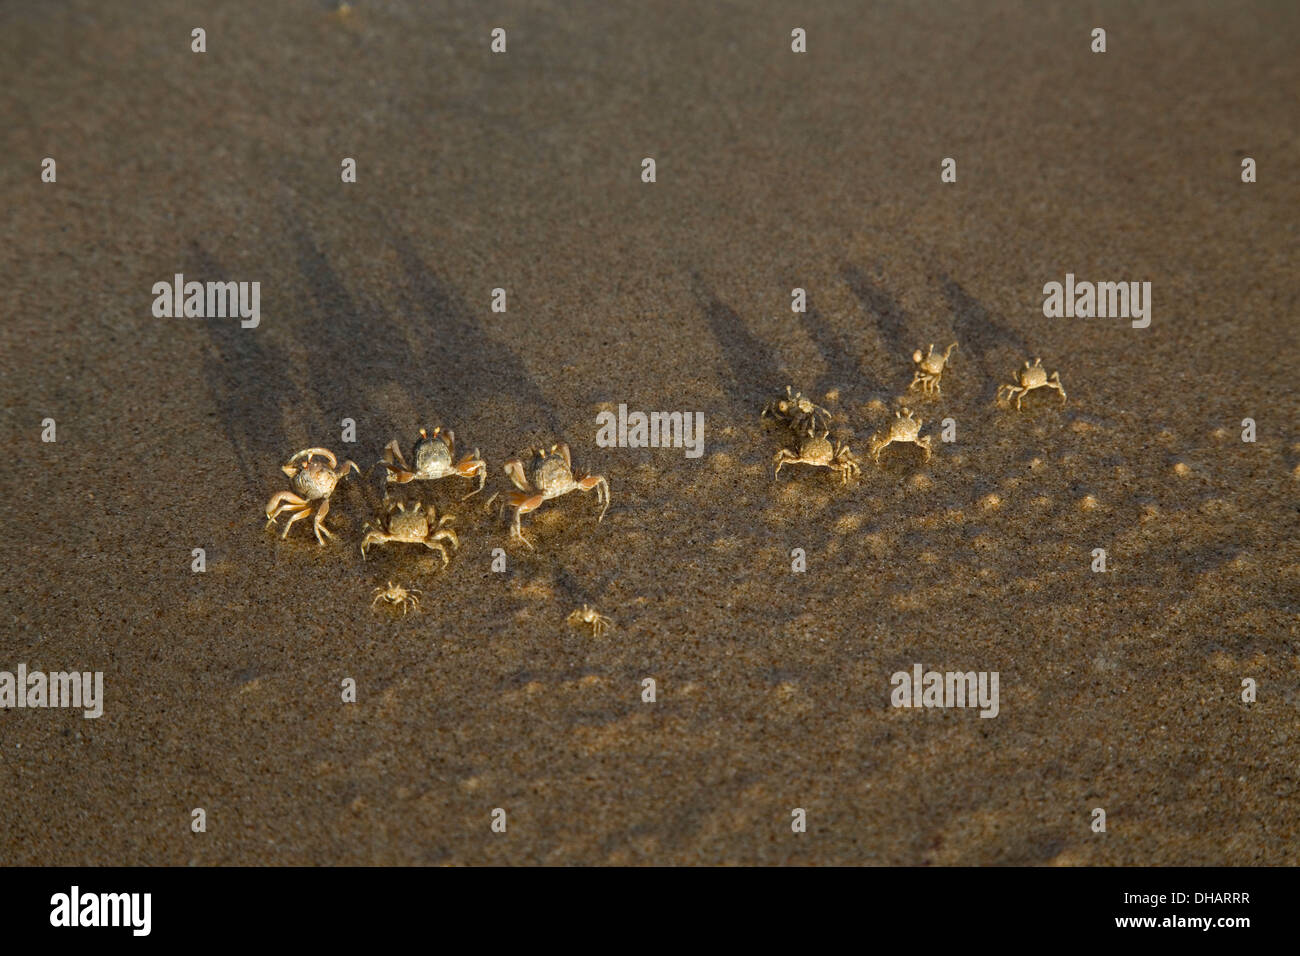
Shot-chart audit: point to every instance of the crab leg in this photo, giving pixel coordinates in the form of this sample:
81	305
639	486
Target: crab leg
468	467
301	511
602	490
522	504
319	524
514	470
281	501
446	535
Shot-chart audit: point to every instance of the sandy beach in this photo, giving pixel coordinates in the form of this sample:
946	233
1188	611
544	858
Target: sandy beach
774	171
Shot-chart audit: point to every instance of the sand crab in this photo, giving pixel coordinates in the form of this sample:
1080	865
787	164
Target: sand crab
929	369
312	480
435	457
396	594
817	449
588	615
799	413
548	474
1029	378
415	524
904	428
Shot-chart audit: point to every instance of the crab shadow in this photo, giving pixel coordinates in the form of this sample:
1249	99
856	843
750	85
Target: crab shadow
988	342
245	377
889	317
751	371
473	368
844	369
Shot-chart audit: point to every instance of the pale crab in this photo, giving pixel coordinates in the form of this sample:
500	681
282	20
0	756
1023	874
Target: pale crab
803	416
1029	378
547	475
817	449
313	474
434	456
416	524
929	369
588	615
904	428
397	595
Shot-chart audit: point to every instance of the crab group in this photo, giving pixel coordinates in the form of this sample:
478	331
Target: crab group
807	424
802	416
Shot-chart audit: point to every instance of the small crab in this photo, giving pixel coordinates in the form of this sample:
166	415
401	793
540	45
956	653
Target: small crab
549	474
904	428
396	594
1029	378
816	449
312	480
413	525
434	456
799	413
929	369
588	615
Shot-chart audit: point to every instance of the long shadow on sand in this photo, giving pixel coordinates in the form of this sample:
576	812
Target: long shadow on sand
980	335
752	371
463	364
246	378
343	335
884	308
844	370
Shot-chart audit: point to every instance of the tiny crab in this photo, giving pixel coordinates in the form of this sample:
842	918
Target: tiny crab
412	525
547	475
1029	378
312	480
799	413
816	449
435	457
929	369
398	595
588	615
904	428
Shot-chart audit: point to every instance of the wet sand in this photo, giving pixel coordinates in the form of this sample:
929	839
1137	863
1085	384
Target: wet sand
774	170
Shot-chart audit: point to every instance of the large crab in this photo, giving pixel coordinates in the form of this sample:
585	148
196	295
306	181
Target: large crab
929	369
415	524
816	449
803	416
547	475
434	456
904	428
1029	378
313	474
